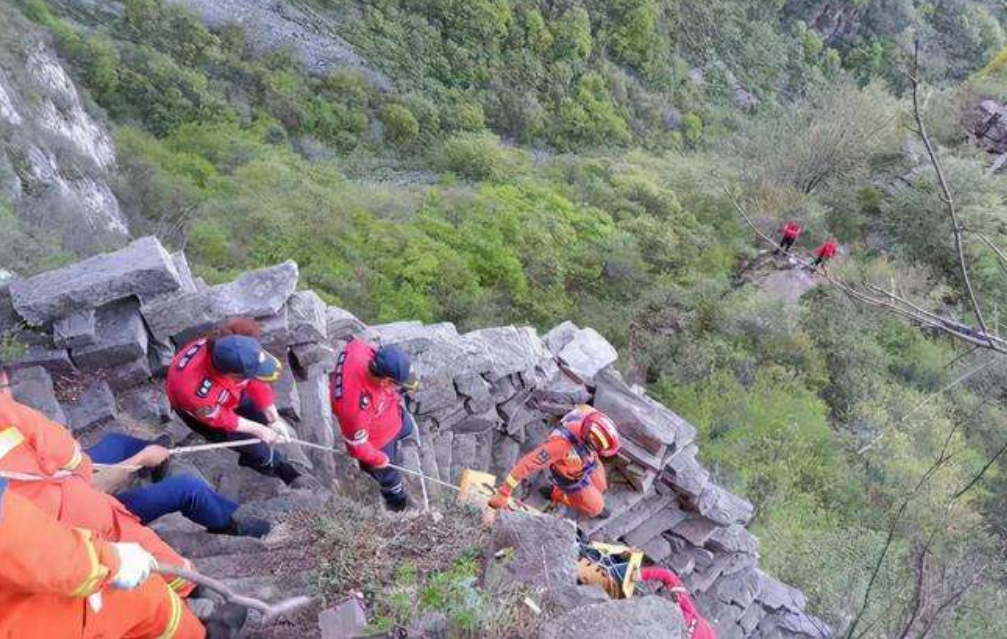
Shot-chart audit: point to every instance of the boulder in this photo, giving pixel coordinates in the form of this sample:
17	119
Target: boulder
317	423
342	325
32	386
658	522
306	318
684	473
287	399
649	424
146	403
343	621
159	357
95	406
56	361
75	330
142	268
559	395
695	529
128	375
649	617
260	293
313	355
559	336
535	550
734	538
9	319
586	354
120	337
776	595
562	599
722	507
508	349
187	283
740	589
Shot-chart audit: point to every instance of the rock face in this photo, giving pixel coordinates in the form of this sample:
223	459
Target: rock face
56	156
106	326
640	618
142	267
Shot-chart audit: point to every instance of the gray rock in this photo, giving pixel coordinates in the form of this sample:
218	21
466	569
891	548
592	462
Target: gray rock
343	621
159	357
720	506
9	319
56	361
317	423
658	522
32	386
562	599
342	325
462	455
146	404
75	330
306	318
740	589
776	595
260	293
559	336
476	391
685	474
95	406
695	529
313	357
536	550
734	538
559	395
120	337
187	283
586	354
750	620
648	424
622	522
443	443
143	267
648	617
478	423
288	401
656	549
507	349
128	375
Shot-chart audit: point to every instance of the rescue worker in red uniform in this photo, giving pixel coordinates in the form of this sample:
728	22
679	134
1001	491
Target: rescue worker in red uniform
66	583
695	626
791	231
219	385
366	394
571	453
824	253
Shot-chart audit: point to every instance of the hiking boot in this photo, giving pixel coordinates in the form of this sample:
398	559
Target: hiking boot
249	527
604	514
286	471
397	502
546	492
226	621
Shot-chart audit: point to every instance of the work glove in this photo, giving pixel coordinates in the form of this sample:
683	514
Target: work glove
284	432
382	462
499	501
135	565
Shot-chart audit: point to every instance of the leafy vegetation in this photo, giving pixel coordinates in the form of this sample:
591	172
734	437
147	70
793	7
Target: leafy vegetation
538	161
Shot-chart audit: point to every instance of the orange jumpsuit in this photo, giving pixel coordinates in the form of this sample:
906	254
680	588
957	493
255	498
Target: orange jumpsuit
577	474
48	571
32	447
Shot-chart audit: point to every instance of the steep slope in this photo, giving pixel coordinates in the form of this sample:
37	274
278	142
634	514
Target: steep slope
57	157
107	326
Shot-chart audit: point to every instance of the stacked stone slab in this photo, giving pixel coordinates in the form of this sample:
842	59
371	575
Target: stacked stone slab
95	339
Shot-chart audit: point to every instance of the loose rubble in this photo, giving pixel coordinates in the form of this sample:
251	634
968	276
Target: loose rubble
111	323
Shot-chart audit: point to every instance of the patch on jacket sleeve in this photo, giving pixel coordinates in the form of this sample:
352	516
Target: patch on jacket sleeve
365	400
204	388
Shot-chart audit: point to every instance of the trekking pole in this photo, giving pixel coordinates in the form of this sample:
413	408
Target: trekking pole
269	611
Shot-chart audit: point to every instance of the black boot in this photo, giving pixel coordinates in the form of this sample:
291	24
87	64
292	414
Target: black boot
226	621
286	471
250	527
396	502
546	492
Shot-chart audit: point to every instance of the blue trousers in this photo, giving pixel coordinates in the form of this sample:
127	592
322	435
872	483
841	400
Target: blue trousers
187	494
259	457
389	478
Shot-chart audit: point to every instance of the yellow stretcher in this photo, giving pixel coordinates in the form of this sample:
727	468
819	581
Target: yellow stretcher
478	487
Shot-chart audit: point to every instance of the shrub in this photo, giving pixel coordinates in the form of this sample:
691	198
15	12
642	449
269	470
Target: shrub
401	128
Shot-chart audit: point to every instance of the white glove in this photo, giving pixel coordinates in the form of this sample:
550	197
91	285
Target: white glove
135	565
285	433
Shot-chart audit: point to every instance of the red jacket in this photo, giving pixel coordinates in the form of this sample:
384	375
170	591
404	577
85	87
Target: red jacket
791	230
194	387
826	250
368	409
696	626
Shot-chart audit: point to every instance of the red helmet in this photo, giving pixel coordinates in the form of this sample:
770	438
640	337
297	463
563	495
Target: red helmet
601	434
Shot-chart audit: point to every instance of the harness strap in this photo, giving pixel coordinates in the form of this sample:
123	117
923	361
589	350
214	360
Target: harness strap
570	485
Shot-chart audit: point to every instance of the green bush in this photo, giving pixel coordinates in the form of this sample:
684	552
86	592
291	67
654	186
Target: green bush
401	128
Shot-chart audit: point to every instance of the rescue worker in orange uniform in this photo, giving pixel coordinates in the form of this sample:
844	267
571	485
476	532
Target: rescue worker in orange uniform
571	453
66	583
46	466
